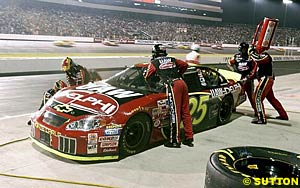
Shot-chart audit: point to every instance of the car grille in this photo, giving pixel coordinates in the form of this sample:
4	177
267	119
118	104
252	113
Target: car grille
67	145
45	137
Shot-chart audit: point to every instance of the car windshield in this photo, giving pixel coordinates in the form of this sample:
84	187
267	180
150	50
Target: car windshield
133	78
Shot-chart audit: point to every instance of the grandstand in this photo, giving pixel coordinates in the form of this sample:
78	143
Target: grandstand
74	18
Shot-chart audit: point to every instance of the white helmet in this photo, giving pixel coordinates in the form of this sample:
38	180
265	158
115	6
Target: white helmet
195	47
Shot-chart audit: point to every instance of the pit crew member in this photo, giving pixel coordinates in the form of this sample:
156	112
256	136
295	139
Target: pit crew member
243	64
170	71
76	74
58	85
193	56
264	89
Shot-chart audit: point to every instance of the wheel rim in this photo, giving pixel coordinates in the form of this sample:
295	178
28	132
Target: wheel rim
266	167
134	134
225	109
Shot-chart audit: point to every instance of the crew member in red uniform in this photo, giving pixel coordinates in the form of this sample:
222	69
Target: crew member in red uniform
264	89
170	71
76	74
243	64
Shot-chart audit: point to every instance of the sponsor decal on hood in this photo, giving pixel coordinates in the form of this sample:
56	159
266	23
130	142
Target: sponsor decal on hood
89	101
96	98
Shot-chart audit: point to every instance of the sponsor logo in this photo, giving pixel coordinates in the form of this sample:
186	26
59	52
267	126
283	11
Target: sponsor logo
46	129
225	90
161	103
270	30
108	138
243	66
111	132
113	126
108	90
109	150
92	143
168	65
109	144
63	108
92	102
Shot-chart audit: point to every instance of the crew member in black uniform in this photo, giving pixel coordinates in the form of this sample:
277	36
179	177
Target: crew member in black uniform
76	74
170	71
264	89
243	64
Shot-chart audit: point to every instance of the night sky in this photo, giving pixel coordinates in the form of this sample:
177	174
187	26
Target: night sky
248	12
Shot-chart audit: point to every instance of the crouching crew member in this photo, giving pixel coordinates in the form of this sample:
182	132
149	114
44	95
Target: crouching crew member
58	85
170	71
76	74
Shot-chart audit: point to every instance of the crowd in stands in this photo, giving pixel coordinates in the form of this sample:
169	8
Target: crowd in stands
37	19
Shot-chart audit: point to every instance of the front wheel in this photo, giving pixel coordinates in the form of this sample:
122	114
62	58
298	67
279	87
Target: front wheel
135	135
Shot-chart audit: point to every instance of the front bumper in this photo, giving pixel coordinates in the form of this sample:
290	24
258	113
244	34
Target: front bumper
74	157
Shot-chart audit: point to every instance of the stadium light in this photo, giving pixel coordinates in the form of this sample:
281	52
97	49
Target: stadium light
286	2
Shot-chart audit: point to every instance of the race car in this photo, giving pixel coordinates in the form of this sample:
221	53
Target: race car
183	46
217	46
125	114
64	43
110	43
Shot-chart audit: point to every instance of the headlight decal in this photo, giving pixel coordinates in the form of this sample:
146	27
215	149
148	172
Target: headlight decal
84	125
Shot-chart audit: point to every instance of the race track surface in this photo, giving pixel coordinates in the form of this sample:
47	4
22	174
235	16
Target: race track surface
158	167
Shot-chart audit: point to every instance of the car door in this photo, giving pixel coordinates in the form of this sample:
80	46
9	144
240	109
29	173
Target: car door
203	108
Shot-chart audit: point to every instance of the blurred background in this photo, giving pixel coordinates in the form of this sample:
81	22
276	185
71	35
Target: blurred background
202	21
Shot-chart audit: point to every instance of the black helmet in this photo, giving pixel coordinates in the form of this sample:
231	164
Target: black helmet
242	46
158	51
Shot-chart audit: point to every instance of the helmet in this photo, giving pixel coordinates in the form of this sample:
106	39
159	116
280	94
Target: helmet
195	47
158	51
58	85
66	64
242	46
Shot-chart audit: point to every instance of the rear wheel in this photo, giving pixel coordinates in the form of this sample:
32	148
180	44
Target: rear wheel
135	135
225	110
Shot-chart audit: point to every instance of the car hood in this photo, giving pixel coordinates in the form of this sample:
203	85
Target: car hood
95	98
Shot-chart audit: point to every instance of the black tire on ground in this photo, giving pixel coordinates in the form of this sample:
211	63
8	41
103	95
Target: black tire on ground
231	167
135	135
225	110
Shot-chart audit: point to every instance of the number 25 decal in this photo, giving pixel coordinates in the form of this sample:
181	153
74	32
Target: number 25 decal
198	108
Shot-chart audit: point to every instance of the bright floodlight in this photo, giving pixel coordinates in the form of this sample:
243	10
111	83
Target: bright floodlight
287	1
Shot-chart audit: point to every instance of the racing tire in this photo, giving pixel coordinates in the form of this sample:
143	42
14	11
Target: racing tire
237	167
135	135
225	110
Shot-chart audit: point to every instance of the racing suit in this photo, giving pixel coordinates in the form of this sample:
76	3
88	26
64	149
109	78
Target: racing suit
264	89
247	68
170	71
77	75
193	57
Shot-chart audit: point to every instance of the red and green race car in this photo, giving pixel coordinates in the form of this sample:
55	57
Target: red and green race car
125	114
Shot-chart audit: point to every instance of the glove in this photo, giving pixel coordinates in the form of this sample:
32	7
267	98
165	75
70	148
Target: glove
252	50
244	80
